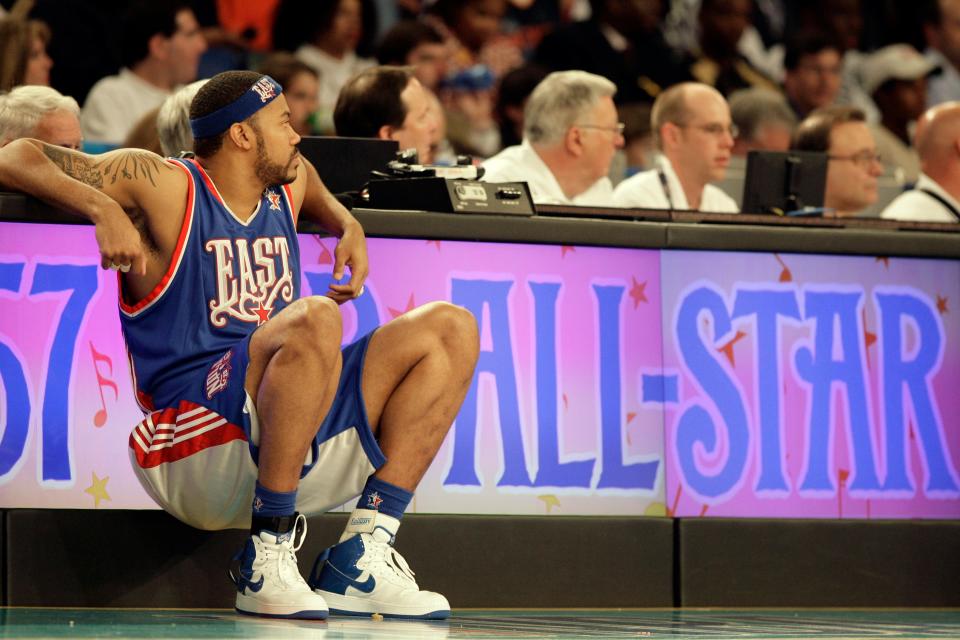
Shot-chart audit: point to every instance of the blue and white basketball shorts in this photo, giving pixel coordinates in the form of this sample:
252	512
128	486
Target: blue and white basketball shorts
198	459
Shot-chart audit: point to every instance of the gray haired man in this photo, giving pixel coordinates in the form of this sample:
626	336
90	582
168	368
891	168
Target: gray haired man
33	111
570	135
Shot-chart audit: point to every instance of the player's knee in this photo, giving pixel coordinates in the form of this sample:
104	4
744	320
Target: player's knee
456	329
316	323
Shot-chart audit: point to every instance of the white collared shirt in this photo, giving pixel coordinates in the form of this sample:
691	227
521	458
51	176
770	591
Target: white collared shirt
115	105
520	163
917	206
646	190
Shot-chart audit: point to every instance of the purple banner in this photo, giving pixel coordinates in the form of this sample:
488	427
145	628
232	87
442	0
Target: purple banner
555	423
812	386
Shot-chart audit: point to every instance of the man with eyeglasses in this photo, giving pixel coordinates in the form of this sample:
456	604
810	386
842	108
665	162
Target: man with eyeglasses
570	135
936	196
854	164
694	133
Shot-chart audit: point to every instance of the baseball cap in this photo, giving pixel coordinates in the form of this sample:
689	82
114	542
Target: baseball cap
894	62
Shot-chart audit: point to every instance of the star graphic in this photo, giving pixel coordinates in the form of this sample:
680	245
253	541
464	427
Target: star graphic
399	312
565	249
942	305
638	292
274	199
263	313
436	242
727	349
885	260
550	501
98	490
374	500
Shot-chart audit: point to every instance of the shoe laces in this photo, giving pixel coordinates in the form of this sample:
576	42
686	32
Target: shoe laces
279	560
383	561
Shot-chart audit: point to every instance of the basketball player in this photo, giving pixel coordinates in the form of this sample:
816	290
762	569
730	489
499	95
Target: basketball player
254	415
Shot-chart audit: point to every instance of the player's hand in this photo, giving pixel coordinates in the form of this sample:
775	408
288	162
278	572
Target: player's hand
351	252
119	242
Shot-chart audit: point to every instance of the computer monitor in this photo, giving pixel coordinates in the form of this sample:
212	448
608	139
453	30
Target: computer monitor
785	182
344	164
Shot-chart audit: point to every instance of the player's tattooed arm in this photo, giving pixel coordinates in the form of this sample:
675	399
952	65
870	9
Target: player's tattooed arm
123	164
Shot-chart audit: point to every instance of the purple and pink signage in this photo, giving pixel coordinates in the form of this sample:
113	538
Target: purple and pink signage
611	381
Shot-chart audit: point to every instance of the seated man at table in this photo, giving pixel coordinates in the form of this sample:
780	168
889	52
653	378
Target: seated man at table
936	196
34	111
570	135
693	130
854	164
388	103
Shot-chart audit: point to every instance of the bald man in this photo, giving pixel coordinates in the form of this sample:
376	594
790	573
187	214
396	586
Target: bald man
936	196
693	130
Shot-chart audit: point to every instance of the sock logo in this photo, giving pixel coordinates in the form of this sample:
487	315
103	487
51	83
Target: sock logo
257	504
374	500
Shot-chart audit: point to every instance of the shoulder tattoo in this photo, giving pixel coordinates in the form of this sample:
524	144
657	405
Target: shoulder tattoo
128	164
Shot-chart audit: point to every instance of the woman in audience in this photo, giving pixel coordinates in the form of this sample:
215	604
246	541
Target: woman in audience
300	83
23	53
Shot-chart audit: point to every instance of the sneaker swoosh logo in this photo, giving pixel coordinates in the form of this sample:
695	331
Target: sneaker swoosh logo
245	583
367	586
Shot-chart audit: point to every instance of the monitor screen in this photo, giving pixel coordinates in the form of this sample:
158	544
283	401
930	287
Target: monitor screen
344	164
785	182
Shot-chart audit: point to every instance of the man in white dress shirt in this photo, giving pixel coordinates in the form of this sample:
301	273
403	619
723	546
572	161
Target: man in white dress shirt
692	126
570	135
162	44
936	196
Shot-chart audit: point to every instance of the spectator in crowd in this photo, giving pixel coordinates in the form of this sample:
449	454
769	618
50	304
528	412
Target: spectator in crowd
301	86
144	133
693	130
812	72
720	63
388	103
896	78
325	35
763	119
161	44
32	111
479	53
942	32
23	53
842	22
570	135
473	31
173	120
936	196
166	129
853	167
515	88
418	45
622	42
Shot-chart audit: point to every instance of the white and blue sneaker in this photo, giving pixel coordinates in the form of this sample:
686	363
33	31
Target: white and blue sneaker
268	580
363	574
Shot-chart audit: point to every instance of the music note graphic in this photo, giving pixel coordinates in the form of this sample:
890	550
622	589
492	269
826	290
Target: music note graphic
100	418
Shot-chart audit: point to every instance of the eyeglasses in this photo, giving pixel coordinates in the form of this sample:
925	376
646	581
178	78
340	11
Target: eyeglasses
714	129
862	159
617	128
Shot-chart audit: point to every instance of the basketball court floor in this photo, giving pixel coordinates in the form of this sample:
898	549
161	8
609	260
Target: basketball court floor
18	622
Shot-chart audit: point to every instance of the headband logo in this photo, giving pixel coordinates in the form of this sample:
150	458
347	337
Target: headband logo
264	88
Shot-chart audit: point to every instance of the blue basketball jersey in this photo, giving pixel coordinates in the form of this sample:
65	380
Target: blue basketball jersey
226	277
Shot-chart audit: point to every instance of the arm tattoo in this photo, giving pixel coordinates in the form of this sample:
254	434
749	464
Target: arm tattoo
129	164
74	165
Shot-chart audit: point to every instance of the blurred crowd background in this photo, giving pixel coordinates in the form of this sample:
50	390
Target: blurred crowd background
774	61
